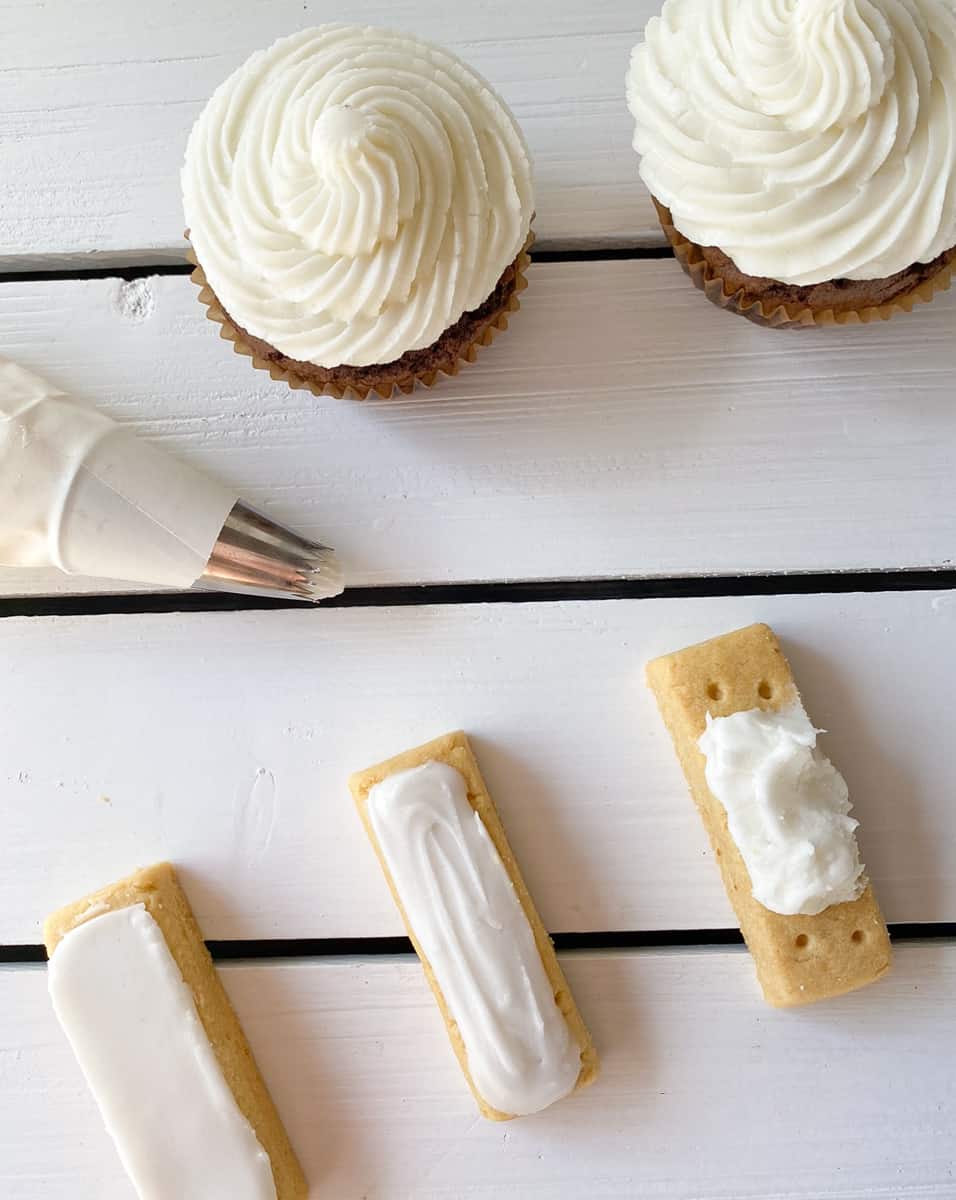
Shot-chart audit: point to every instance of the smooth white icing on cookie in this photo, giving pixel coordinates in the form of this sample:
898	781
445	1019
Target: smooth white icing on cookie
133	1025
468	920
351	192
79	492
807	139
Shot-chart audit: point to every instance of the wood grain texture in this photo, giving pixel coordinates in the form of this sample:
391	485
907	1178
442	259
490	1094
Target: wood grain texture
97	98
224	743
705	1093
622	426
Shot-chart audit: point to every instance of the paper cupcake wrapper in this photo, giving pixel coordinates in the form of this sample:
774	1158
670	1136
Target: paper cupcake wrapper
467	353
775	315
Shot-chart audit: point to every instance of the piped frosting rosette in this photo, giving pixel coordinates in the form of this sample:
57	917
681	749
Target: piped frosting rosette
809	140
351	193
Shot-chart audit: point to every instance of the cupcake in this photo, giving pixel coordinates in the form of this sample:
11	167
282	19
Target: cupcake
359	206
802	153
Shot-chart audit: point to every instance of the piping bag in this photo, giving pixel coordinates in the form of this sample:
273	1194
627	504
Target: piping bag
81	493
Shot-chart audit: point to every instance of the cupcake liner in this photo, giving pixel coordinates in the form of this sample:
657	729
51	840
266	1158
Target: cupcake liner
467	352
778	315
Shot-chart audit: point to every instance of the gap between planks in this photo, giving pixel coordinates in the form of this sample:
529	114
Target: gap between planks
254	949
127	268
520	592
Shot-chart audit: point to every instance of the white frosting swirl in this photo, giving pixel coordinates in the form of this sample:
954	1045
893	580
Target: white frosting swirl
351	192
807	139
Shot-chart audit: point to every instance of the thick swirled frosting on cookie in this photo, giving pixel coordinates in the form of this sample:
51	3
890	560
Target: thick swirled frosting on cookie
807	139
351	192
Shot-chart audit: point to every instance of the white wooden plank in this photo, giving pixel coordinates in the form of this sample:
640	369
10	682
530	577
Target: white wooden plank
224	742
623	426
97	98
706	1094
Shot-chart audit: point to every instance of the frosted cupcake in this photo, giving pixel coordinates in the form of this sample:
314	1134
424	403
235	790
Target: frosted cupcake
802	153
359	205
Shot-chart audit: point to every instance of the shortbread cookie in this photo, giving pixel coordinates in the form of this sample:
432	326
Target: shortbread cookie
162	1050
799	958
511	1018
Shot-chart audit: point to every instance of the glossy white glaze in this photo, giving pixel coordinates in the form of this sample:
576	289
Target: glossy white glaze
468	920
133	1025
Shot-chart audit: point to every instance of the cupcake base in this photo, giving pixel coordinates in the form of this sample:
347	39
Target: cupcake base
458	344
783	306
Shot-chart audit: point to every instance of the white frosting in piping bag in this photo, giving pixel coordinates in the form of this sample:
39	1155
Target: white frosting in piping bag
133	1025
787	809
472	929
351	192
807	139
80	493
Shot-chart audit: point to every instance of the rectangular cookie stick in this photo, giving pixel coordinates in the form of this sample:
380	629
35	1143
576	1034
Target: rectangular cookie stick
456	882
798	958
129	974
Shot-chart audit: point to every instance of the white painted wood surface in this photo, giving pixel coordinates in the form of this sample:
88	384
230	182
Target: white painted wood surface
224	741
97	98
623	426
706	1093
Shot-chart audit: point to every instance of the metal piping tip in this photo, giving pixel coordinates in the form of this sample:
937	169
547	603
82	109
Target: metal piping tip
257	557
